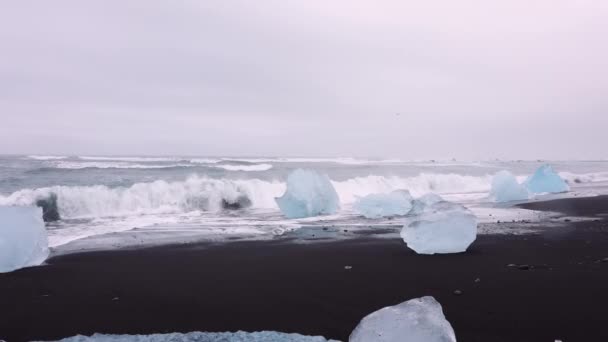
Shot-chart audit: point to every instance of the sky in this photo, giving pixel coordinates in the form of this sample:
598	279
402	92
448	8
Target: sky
466	79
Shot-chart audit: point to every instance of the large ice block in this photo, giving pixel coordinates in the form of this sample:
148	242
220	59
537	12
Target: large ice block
506	188
23	238
417	320
308	194
442	227
546	180
398	202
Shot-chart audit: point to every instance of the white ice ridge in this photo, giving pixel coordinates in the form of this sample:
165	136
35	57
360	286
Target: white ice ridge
308	194
240	336
23	238
546	180
398	202
506	188
417	320
439	227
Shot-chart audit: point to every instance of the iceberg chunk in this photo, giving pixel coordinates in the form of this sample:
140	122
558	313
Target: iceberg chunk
505	188
441	227
417	320
23	238
240	336
398	202
544	180
308	194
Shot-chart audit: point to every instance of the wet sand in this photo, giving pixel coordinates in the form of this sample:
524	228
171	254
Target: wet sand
557	290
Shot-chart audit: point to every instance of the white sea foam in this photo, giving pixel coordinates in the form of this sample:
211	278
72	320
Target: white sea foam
131	159
205	160
418	185
47	157
254	167
204	193
159	197
98	209
584	178
240	336
75	165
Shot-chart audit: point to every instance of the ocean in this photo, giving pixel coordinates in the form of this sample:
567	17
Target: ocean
110	200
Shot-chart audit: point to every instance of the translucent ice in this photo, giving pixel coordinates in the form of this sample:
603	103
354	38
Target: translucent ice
417	320
441	227
263	336
544	180
505	188
23	238
420	203
308	194
398	202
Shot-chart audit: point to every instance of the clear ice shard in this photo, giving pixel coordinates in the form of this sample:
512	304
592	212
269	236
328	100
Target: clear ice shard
440	227
23	238
417	320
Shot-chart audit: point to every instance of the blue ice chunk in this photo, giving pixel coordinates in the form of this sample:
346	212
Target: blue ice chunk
308	194
546	180
23	238
505	188
417	320
240	336
441	227
398	202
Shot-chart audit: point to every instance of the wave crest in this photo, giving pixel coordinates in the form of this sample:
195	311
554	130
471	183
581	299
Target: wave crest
209	194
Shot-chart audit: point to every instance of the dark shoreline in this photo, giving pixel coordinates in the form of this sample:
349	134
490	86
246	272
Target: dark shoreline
305	288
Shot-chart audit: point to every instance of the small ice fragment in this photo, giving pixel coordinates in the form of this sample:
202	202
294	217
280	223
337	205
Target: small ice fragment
23	238
398	202
505	188
546	180
442	227
417	320
308	194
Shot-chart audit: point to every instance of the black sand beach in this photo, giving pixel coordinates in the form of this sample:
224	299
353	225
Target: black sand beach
557	290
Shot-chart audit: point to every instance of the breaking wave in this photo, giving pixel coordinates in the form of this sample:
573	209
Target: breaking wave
254	167
131	159
47	157
113	165
584	178
209	194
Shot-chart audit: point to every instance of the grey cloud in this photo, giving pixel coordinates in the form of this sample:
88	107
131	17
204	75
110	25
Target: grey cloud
470	79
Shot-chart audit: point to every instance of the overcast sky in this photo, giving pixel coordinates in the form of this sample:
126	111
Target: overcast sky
520	79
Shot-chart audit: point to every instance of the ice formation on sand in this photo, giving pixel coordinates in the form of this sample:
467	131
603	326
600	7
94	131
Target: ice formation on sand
417	320
398	202
441	227
505	188
23	238
308	194
546	180
263	336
